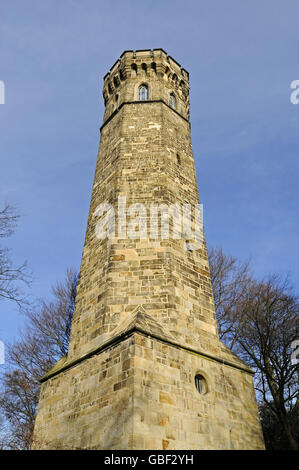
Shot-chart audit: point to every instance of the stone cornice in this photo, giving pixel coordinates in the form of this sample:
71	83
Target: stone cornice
141	102
63	364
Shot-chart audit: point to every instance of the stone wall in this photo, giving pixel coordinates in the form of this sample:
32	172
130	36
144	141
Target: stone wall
144	322
89	405
138	159
121	401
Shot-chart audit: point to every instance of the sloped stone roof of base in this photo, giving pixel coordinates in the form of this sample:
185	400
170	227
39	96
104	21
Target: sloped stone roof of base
140	320
229	355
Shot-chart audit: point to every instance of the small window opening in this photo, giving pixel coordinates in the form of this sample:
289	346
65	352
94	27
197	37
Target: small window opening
143	93
189	247
172	101
178	158
116	101
116	82
134	68
153	67
200	384
144	67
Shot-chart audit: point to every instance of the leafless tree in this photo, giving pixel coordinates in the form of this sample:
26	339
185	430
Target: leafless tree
230	278
42	343
268	323
258	320
11	275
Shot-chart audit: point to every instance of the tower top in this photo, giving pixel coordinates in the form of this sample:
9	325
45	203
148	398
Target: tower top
149	55
159	72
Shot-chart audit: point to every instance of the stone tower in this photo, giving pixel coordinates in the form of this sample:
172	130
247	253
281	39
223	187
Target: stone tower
145	367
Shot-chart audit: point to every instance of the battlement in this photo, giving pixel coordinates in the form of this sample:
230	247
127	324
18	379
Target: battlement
147	55
148	66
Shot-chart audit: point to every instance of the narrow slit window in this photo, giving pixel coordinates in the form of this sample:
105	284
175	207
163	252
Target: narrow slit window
116	101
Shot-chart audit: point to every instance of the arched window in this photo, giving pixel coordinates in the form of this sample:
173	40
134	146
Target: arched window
143	93
172	101
201	384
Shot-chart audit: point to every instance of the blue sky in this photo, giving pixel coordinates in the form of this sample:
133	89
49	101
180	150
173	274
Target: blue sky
241	56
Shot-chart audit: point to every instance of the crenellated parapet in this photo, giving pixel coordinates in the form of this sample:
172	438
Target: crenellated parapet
163	77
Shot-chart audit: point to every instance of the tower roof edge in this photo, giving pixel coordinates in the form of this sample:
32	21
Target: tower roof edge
155	53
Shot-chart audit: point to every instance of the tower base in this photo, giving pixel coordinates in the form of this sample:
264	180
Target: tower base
137	391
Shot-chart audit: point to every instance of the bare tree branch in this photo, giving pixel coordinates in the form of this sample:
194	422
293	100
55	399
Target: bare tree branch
42	343
258	320
11	276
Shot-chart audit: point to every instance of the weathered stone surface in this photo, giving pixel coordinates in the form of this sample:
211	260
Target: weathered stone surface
125	398
144	322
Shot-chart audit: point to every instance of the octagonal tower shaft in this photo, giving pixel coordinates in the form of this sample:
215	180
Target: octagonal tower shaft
145	368
145	157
